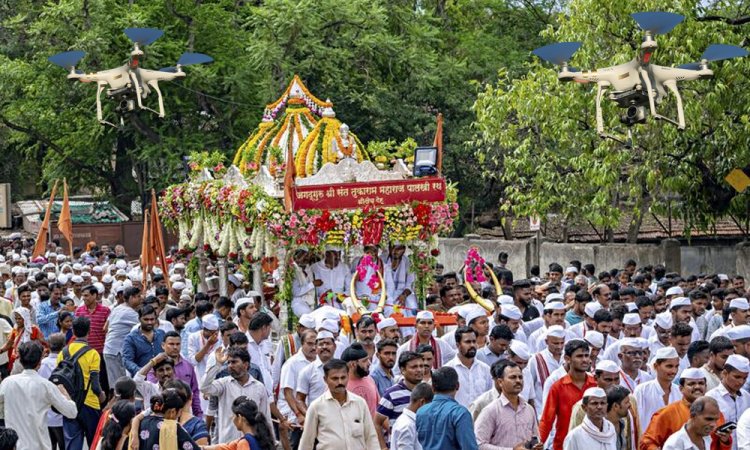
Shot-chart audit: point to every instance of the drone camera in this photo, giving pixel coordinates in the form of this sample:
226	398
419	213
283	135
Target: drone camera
633	115
126	105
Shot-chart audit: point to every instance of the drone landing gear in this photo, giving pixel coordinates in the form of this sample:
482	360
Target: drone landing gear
627	142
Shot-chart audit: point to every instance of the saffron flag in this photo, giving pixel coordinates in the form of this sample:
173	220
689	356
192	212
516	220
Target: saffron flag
65	222
41	238
157	255
146	262
438	142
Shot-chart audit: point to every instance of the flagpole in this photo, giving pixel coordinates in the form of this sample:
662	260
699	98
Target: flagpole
45	223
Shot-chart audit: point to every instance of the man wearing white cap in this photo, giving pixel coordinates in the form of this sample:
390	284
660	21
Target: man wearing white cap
477	320
290	371
474	376
653	395
596	341
732	398
519	353
425	325
543	363
331	275
310	382
201	344
388	329
289	344
682	312
460	311
671	418
580	329
595	432
509	314
660	337
554	314
738	314
631	356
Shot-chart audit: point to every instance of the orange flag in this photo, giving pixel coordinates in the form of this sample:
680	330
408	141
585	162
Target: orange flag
146	261
289	178
41	239
65	222
156	241
438	142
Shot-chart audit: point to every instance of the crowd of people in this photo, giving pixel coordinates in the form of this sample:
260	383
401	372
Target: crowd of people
93	353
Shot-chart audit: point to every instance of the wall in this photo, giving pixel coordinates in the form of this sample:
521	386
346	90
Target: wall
522	255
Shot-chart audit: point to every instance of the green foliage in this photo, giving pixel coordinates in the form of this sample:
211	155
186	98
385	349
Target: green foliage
389	66
542	132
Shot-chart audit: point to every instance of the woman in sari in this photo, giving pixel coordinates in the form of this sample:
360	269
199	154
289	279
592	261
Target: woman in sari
195	426
160	429
24	331
252	424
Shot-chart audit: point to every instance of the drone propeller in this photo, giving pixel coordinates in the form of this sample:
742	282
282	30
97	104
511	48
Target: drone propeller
188	59
143	36
558	53
66	60
657	22
717	52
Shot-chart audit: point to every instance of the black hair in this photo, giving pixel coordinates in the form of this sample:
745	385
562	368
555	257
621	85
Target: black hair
224	302
171	334
130	292
334	364
618	312
173	313
228	325
248	409
697	347
575	344
615	394
90	289
421	391
583	296
498	369
56	342
660	271
238	338
501	332
444	290
164	362
407	356
720	344
125	388
121	414
23	288
424	348
643	302
259	321
461	331
383	343
81	326
240	353
365	321
62	316
202	307
146	310
602	316
161	290
8	438
181	387
681	329
166	400
30	354
444	380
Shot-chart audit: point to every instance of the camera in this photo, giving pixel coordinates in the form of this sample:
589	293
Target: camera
634	114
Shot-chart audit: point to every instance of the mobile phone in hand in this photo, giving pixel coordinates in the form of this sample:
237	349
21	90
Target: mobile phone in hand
532	442
727	427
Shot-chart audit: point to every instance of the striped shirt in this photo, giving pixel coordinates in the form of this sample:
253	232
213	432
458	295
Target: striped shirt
394	401
98	318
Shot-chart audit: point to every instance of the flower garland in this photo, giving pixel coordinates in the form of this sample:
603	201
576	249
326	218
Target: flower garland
474	266
367	262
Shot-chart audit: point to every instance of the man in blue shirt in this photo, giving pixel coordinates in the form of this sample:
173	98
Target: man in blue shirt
48	309
144	343
444	424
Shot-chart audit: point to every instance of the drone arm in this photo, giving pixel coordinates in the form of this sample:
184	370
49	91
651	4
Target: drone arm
649	89
155	84
137	86
99	116
672	86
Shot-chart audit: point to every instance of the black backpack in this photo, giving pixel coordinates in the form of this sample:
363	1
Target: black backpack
69	374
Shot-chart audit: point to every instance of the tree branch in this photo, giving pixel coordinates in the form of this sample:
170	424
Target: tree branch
144	129
728	20
36	135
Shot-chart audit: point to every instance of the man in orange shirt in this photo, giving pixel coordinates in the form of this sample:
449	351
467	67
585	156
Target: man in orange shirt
672	417
558	406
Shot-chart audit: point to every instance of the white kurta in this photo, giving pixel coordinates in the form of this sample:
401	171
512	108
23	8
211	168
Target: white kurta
335	280
681	441
303	291
537	384
632	383
472	381
396	281
648	398
731	407
289	373
580	439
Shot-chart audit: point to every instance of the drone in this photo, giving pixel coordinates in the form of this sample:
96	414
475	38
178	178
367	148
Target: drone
129	84
639	84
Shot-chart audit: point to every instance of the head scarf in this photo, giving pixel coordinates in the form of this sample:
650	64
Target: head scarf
26	315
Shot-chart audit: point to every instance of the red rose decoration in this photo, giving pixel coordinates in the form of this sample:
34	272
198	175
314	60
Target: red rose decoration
435	252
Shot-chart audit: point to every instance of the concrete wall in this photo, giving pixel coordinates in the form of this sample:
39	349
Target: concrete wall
522	255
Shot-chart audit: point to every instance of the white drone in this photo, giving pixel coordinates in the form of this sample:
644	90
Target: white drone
129	83
637	83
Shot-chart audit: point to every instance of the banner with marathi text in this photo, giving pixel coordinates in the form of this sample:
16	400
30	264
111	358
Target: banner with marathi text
374	194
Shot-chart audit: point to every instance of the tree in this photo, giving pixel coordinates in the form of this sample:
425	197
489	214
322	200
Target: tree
543	133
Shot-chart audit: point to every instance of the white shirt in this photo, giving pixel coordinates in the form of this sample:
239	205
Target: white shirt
681	441
25	399
404	432
45	370
335	280
743	430
195	344
450	339
732	408
289	374
227	389
147	388
472	381
648	397
446	352
260	356
536	381
579	439
310	381
630	383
